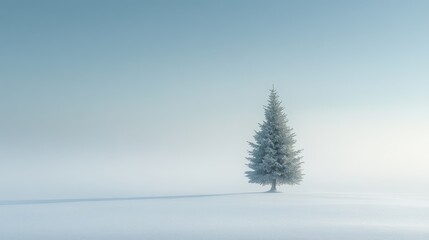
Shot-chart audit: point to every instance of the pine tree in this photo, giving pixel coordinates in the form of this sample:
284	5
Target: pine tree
273	158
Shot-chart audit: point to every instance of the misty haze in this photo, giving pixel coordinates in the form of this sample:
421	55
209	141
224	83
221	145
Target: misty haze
172	120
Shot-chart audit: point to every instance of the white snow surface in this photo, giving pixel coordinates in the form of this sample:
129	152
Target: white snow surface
220	216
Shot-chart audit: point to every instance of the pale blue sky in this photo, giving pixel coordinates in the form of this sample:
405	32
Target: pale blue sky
101	96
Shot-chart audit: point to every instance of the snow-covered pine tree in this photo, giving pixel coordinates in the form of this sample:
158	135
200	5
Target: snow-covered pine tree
273	158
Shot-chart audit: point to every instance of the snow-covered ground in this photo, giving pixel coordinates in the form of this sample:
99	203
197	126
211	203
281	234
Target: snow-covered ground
220	216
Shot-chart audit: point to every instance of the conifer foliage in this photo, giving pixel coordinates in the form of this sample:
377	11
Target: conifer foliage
273	158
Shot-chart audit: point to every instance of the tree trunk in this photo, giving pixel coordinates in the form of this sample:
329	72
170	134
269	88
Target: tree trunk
273	186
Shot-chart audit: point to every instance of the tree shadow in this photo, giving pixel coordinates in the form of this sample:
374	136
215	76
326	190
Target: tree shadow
78	200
